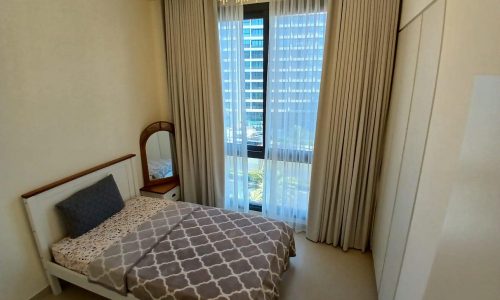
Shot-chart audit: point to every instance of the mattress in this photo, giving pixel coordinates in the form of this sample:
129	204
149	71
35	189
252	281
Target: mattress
76	254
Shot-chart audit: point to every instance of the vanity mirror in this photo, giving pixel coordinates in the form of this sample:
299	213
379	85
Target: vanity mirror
158	157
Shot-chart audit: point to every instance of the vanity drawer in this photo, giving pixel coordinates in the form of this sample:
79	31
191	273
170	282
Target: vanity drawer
173	194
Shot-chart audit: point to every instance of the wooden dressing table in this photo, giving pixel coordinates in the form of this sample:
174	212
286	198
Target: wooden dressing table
159	162
169	191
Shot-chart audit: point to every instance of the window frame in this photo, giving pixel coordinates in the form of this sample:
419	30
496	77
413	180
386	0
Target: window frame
257	11
260	11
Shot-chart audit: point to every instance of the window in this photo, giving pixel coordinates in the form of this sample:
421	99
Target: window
256	8
257	75
257	43
257	85
283	98
256	31
257	65
259	96
258	54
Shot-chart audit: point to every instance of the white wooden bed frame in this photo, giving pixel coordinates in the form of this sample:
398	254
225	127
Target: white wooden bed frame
47	226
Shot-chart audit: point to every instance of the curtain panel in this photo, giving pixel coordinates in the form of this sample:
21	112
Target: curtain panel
296	41
233	88
353	105
194	90
279	180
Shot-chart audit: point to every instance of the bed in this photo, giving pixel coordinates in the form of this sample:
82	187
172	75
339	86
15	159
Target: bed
159	249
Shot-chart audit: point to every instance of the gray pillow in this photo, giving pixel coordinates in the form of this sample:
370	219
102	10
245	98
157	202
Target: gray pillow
91	206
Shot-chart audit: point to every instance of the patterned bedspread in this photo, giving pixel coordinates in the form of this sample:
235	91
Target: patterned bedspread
189	251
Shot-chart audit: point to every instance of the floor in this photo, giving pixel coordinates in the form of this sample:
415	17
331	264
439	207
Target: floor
318	272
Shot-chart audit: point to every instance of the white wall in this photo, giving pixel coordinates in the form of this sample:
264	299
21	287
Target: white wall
471	46
79	80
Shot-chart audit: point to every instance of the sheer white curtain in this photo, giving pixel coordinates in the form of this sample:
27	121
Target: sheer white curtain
296	40
232	67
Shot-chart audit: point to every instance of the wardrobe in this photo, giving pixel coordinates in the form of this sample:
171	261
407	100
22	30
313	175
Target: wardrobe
416	69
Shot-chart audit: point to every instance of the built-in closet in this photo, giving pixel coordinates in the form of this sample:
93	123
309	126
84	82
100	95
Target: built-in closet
414	82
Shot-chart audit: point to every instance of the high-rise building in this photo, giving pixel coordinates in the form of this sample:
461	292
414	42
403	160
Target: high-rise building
253	47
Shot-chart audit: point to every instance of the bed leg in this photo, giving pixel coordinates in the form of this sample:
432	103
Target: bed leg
55	286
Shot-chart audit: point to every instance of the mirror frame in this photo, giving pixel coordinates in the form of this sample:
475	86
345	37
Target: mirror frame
146	133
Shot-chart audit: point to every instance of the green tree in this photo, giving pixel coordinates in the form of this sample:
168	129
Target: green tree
256	184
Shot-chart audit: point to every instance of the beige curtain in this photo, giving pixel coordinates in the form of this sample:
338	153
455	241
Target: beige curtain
194	89
353	105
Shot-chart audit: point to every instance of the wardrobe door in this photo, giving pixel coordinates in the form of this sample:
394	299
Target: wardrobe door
413	153
402	90
423	99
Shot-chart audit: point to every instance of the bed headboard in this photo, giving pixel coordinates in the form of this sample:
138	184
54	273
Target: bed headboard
45	221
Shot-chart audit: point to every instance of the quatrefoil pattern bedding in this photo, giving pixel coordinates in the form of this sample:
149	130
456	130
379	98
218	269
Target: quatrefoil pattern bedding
187	251
216	254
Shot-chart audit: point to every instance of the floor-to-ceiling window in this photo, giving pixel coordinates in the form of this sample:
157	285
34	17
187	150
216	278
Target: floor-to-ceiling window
255	46
281	57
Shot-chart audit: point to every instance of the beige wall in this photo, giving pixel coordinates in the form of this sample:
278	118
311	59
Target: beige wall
467	264
79	80
159	54
471	45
